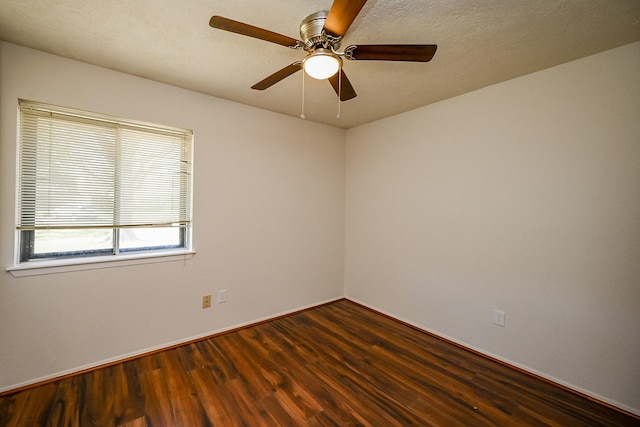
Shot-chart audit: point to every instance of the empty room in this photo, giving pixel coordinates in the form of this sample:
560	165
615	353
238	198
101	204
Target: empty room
197	229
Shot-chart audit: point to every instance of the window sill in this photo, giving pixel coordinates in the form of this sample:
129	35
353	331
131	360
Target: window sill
36	268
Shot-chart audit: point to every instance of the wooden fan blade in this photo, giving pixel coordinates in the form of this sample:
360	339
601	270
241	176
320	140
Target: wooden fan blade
277	76
227	24
341	15
344	88
391	52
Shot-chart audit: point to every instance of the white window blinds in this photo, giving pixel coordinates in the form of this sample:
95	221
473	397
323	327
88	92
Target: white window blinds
83	170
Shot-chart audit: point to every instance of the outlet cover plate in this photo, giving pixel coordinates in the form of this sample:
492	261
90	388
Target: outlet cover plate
498	317
206	301
222	296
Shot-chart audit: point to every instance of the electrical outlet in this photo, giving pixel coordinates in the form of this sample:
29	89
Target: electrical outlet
498	317
222	296
206	301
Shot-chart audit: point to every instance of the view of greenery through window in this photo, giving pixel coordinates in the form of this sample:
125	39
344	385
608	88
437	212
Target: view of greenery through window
91	240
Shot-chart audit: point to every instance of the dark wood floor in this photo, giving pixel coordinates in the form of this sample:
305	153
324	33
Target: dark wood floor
335	365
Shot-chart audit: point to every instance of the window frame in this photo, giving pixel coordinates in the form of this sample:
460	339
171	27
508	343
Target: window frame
26	259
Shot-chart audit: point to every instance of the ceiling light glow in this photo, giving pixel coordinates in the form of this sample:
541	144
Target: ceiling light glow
322	64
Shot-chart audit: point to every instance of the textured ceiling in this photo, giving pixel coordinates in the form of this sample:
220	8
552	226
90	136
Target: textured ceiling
480	42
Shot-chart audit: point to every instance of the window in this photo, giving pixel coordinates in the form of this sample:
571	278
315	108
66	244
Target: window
93	185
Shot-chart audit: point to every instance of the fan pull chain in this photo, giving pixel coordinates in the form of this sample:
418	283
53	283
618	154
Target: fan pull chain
302	116
339	116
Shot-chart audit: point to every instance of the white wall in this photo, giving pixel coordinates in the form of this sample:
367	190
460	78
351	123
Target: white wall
268	213
524	197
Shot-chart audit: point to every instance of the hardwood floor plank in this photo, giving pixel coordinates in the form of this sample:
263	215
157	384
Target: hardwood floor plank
190	357
218	409
243	362
465	399
158	406
294	398
327	397
339	364
98	399
28	407
138	422
128	404
146	364
365	374
67	404
187	409
218	361
249	412
279	413
324	420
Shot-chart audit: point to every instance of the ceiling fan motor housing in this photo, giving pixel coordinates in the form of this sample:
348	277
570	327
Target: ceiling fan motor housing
312	32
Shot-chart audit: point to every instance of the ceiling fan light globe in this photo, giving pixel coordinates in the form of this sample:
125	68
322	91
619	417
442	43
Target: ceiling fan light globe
321	66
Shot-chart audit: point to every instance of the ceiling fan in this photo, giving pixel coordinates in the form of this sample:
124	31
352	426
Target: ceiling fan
321	34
